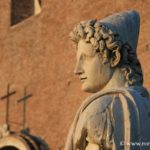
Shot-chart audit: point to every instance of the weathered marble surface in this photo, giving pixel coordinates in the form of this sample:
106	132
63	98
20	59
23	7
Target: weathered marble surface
116	116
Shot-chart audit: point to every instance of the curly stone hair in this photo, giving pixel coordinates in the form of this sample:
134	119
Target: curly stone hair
109	44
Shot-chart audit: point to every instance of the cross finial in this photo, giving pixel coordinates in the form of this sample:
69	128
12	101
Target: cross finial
7	97
24	99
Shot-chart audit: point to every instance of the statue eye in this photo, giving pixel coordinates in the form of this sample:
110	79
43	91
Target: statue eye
97	50
87	57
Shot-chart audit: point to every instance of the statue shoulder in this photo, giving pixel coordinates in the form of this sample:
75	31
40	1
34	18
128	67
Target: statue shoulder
103	98
98	104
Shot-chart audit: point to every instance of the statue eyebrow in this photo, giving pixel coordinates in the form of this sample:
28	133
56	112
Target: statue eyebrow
91	54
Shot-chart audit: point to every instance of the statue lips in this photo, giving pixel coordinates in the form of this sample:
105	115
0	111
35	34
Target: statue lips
83	78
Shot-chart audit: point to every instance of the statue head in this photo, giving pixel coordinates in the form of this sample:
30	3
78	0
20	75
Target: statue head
107	45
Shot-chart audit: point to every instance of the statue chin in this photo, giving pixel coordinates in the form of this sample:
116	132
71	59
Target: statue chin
89	89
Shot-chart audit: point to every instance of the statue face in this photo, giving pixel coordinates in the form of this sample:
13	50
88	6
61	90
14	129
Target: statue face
93	73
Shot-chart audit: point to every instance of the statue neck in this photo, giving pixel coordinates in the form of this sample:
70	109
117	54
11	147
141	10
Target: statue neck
117	80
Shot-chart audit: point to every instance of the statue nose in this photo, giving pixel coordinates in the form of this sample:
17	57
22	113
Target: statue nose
78	69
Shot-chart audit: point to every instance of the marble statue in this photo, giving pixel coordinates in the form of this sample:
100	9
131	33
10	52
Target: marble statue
117	115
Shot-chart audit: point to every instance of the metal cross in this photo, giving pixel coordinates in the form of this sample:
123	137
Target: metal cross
24	99
7	97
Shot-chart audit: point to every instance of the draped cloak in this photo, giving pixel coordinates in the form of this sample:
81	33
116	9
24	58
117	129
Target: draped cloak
115	119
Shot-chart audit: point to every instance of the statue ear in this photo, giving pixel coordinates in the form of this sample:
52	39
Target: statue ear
115	58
